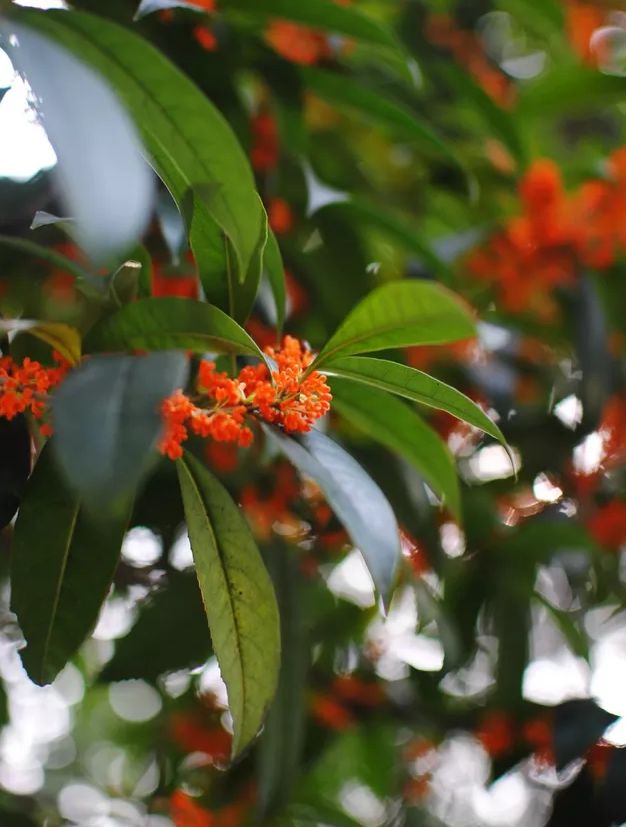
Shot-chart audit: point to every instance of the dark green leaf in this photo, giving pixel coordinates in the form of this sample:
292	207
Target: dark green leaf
103	180
397	226
14	465
355	498
190	144
238	598
578	724
502	124
400	314
85	281
62	566
323	14
170	634
416	385
275	272
395	425
170	322
107	421
344	91
566	90
280	746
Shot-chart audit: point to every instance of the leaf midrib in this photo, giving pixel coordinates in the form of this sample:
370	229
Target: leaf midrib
231	604
145	92
327	354
59	587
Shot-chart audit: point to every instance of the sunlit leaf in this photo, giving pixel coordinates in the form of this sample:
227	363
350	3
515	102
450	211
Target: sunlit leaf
400	314
238	598
60	337
62	567
416	385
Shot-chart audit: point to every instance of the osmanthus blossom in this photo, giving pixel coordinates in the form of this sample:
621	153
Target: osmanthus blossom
288	397
554	236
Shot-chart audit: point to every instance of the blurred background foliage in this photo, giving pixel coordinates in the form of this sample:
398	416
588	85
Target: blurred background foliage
480	144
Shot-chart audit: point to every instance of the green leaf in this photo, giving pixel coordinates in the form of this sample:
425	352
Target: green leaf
323	14
103	180
61	337
578	724
502	124
88	284
391	422
400	314
107	421
416	385
354	497
568	89
190	144
170	322
238	598
275	271
280	747
14	465
155	644
344	91
62	567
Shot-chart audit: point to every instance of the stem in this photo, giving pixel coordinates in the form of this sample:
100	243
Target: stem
231	297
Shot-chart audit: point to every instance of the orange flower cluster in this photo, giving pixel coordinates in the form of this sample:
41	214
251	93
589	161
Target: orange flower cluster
555	233
285	397
25	387
468	51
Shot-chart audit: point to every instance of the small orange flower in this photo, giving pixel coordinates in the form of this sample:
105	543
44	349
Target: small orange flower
185	812
352	689
496	734
331	713
299	44
280	216
192	735
205	37
265	142
173	285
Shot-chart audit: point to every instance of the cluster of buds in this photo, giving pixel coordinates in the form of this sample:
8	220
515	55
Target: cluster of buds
25	387
286	396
